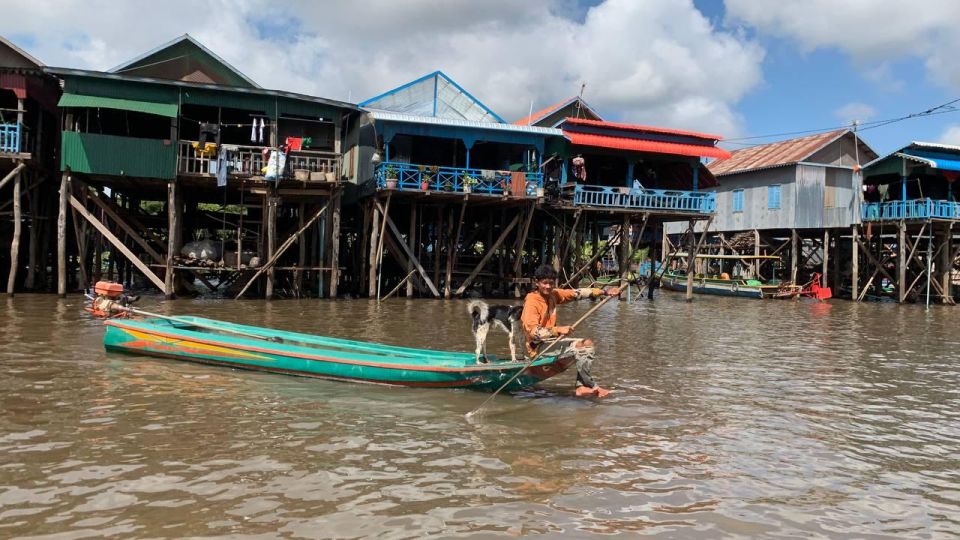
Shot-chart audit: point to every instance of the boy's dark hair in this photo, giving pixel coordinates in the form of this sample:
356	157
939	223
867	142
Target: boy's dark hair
545	271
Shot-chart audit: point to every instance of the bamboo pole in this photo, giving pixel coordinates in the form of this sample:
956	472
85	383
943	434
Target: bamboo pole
385	211
335	245
12	174
855	263
397	288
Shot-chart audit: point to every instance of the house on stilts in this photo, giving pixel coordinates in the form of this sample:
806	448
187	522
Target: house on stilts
29	137
173	164
454	200
797	202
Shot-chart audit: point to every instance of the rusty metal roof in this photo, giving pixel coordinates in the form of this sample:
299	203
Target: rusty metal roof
776	154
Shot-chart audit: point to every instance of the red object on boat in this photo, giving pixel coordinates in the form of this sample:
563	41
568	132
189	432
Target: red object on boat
816	290
109	289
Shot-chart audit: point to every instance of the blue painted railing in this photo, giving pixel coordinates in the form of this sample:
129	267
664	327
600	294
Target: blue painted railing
701	202
10	138
413	177
912	209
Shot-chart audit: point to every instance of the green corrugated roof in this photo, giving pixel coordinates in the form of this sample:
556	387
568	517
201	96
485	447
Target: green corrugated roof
149	107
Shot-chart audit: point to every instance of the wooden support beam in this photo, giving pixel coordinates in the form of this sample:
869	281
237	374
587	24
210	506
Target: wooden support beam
271	203
33	249
691	257
946	266
488	255
120	222
12	174
173	223
80	235
115	242
452	251
15	241
379	255
371	268
409	252
596	256
283	248
826	259
62	234
873	260
794	254
402	282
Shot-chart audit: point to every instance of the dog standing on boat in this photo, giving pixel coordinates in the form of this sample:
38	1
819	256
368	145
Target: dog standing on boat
484	316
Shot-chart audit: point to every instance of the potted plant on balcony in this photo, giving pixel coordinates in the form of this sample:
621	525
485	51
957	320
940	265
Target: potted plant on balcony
425	180
391	177
468	183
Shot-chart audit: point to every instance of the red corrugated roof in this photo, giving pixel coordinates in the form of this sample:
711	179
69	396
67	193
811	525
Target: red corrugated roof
526	120
643	145
774	154
641	129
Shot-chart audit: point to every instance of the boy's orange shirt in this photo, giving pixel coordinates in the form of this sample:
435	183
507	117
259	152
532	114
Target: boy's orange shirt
539	317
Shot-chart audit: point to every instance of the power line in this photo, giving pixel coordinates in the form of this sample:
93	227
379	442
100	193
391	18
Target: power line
939	109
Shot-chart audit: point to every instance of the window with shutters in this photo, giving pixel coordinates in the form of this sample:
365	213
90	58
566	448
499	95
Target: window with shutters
738	200
773	197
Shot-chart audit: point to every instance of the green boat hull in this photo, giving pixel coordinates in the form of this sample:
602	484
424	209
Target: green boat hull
249	347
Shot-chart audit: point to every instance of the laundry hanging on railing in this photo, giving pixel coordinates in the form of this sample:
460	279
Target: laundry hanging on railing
227	162
275	165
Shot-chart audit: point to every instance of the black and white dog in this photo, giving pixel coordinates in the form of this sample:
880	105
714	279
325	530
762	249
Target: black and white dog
485	316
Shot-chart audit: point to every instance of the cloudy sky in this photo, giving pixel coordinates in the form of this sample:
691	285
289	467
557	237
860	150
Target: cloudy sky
741	68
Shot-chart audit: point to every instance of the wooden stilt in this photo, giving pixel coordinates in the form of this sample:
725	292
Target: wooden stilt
301	256
855	263
691	258
385	210
271	205
80	234
437	244
33	248
412	243
826	258
173	223
625	241
521	241
375	246
902	261
12	174
15	240
946	264
452	251
794	254
335	244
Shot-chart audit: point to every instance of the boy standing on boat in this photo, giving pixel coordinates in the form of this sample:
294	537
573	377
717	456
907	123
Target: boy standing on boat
539	319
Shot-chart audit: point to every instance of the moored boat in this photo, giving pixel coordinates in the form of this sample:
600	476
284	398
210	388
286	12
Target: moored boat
718	282
208	341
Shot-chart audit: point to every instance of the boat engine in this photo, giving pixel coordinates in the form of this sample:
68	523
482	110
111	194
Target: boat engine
110	300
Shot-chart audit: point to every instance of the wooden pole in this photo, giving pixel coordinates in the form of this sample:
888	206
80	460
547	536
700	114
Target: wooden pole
946	264
33	249
301	255
521	241
625	241
691	258
116	242
374	250
486	257
412	243
596	256
12	174
130	231
397	288
80	235
271	203
855	263
173	223
794	249
15	241
452	251
826	259
901	261
335	244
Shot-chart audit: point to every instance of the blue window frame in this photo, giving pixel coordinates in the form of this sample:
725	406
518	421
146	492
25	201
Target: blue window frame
773	197
738	200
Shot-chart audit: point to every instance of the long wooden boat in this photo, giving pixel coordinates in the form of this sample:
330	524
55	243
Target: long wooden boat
744	288
208	341
720	283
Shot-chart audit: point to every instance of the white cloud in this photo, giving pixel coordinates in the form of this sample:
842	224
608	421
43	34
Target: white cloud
855	111
951	135
871	31
646	61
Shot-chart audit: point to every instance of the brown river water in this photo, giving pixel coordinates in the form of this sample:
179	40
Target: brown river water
730	418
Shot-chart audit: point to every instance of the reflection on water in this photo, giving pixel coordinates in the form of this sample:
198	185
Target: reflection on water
729	418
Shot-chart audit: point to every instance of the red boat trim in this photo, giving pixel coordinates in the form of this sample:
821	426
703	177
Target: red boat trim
484	367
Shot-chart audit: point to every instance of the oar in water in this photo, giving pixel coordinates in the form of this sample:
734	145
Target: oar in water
573	327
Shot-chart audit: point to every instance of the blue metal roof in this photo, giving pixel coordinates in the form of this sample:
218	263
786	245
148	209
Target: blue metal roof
934	160
436	95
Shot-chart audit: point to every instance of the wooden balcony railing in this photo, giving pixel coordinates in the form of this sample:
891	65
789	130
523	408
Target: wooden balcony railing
250	161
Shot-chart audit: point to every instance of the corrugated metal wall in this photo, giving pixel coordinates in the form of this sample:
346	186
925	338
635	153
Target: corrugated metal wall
809	204
92	153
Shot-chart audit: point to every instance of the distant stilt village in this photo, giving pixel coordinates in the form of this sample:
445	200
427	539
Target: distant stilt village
176	172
